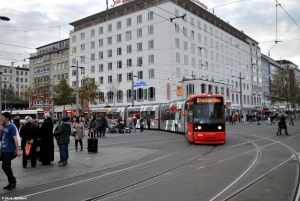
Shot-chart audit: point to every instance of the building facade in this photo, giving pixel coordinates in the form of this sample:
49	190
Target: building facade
14	85
48	66
194	52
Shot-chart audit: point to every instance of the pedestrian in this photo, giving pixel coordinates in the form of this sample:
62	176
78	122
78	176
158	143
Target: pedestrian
105	125
93	126
247	117
9	146
63	139
142	122
239	117
29	133
78	129
16	121
258	119
291	119
282	125
233	119
129	122
47	141
272	119
230	120
269	120
134	121
99	126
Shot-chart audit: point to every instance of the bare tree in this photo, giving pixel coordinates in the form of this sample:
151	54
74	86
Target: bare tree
113	87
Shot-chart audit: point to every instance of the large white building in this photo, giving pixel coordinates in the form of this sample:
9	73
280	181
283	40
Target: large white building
167	44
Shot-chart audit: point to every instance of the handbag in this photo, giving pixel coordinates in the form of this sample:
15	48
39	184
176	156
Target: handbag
27	148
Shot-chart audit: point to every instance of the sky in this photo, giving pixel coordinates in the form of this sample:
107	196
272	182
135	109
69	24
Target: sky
36	23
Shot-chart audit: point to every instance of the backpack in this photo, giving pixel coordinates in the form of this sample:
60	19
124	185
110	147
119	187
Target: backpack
99	122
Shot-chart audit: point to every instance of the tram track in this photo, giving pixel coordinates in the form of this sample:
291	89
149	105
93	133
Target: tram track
274	169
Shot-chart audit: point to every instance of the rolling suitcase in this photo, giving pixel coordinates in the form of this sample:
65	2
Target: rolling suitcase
92	145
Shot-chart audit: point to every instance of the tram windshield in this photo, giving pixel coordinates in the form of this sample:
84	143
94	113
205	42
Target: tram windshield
208	111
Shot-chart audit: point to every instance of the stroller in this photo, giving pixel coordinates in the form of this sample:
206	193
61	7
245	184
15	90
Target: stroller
113	128
117	127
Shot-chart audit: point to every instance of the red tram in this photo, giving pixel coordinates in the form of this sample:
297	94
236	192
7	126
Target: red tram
206	119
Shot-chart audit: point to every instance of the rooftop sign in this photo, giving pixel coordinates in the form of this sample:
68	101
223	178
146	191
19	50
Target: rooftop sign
116	2
140	84
200	3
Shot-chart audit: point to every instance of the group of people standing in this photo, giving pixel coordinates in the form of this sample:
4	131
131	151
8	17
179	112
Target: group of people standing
132	122
235	117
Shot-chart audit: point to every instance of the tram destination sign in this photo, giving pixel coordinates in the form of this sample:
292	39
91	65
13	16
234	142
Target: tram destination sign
208	100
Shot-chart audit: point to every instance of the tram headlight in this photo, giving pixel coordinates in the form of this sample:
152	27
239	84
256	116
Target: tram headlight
219	127
199	127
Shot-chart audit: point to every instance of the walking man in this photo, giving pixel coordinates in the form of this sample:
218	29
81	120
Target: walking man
10	145
134	121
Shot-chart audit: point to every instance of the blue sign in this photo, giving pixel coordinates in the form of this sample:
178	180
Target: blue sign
236	107
140	84
134	94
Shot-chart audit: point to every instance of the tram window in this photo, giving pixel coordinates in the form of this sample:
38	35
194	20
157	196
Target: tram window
190	114
172	115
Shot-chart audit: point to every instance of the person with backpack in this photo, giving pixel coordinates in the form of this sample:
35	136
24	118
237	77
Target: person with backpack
99	124
142	122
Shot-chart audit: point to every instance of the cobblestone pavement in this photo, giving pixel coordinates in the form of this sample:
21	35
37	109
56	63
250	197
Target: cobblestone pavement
79	163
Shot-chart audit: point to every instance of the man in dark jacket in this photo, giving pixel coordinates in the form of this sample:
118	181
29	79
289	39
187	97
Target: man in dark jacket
63	139
99	124
47	141
282	125
16	121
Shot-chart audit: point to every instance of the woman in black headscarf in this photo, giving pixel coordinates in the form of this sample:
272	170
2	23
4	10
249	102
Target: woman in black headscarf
47	141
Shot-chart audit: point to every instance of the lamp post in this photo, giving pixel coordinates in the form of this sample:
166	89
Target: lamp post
77	86
241	91
132	88
1	93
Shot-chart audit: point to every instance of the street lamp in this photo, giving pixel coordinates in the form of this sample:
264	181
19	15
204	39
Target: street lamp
77	86
4	18
241	90
132	88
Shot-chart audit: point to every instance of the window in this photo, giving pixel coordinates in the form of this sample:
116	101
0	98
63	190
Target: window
129	76
128	35
93	57
185	59
140	75
119	51
199	38
176	28
100	42
186	73
119	78
140	61
92	32
109	28
128	22
119	38
177	45
176	12
151	59
139	46
192	21
109	66
129	49
185	45
178	72
119	64
92	69
100	30
100	80
150	30
92	44
193	62
150	44
129	62
82	47
73	39
150	15
119	25
193	48
205	40
139	19
100	55
151	73
100	67
109	40
139	32
177	57
82	36
109	79
82	71
73	83
199	24
82	59
192	35
109	53
185	31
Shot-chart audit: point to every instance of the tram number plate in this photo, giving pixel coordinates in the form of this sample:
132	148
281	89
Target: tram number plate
200	135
